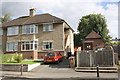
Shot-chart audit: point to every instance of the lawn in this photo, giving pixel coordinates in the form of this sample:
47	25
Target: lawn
25	62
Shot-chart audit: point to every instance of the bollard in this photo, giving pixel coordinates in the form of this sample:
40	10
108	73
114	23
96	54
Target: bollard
21	69
97	70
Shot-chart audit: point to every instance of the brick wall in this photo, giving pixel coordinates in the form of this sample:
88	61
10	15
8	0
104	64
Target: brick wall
41	55
26	54
96	42
29	54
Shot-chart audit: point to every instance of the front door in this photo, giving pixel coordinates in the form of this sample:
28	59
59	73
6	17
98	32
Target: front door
88	46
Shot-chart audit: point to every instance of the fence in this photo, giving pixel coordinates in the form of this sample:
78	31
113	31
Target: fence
92	58
117	49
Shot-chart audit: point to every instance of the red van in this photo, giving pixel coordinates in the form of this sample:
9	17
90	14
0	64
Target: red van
53	57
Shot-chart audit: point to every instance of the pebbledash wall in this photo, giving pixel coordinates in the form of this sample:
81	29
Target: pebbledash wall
56	36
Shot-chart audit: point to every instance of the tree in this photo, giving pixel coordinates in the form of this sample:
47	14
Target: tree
77	42
96	22
5	18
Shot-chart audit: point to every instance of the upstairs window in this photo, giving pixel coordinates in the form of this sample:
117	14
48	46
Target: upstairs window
29	29
47	27
1	31
12	30
12	46
47	45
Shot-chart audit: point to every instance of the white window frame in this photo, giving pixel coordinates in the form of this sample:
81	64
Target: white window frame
14	30
12	46
47	43
1	31
47	27
32	29
31	44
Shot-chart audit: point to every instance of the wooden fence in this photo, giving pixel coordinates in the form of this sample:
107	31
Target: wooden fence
92	58
117	49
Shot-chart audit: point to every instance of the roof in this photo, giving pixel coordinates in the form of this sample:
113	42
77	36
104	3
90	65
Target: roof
93	34
42	18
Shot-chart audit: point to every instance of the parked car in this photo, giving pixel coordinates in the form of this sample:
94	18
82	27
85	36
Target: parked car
53	57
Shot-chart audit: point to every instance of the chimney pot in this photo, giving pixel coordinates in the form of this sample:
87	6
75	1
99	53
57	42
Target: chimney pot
32	12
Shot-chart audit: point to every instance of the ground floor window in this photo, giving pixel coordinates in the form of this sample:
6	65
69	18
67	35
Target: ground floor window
29	45
47	45
12	46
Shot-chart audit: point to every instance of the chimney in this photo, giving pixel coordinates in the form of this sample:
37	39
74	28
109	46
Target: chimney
32	12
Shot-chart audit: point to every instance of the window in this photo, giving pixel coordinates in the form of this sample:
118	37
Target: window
47	45
59	54
88	46
47	27
12	46
50	55
12	30
29	45
1	31
29	29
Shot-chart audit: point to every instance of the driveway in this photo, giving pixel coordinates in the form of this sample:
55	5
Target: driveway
62	67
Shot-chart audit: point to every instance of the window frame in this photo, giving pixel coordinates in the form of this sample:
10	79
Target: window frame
13	31
30	44
14	46
48	43
32	29
48	27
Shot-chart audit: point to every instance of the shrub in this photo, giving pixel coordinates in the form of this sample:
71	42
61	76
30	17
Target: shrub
11	57
112	43
7	57
18	57
108	43
118	43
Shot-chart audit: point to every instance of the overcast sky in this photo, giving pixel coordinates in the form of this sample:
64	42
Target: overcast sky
69	10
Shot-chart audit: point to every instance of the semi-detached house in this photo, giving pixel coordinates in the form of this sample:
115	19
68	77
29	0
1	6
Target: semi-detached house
35	35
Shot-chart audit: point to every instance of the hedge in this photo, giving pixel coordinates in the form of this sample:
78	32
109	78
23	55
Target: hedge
11	57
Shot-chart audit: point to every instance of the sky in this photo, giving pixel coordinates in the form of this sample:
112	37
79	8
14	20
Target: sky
69	10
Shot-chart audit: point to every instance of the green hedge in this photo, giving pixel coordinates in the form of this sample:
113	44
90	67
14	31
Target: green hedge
111	43
11	57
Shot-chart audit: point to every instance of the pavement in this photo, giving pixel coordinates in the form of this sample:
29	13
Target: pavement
59	71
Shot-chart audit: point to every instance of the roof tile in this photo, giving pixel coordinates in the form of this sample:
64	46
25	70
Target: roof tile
42	18
93	34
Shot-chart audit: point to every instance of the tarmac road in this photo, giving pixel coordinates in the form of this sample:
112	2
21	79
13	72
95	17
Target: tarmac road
17	78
